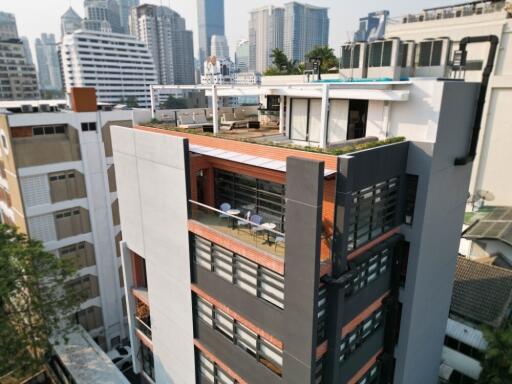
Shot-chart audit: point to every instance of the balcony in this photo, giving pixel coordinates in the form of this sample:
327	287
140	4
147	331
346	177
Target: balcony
144	326
262	235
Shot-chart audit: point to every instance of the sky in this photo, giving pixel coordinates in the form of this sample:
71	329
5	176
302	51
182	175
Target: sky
37	16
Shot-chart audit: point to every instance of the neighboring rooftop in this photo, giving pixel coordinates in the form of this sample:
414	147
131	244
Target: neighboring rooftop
496	225
481	293
86	362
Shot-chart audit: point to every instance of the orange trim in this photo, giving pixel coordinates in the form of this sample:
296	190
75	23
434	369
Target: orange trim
270	152
199	292
321	350
364	368
237	246
140	297
224	367
144	339
372	243
363	315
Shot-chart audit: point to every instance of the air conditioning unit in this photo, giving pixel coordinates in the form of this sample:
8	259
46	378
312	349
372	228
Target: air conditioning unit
383	59
353	60
432	57
407	56
27	108
44	108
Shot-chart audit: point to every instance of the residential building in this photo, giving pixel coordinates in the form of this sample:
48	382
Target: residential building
8	28
482	295
18	79
305	27
70	22
250	258
164	33
48	66
210	21
58	186
26	50
119	66
455	23
372	27
102	15
266	28
219	47
242	56
125	10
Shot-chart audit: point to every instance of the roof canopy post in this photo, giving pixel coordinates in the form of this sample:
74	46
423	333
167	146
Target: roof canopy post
324	114
215	110
281	114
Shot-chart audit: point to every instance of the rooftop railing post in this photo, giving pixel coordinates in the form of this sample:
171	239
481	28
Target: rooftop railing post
324	116
281	114
152	96
215	110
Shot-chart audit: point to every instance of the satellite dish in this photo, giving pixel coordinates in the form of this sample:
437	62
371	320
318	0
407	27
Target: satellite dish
485	195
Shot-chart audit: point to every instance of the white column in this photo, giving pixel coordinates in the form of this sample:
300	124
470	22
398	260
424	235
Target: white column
215	110
281	114
324	116
152	96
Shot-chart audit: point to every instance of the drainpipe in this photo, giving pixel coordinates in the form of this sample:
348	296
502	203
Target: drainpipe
493	40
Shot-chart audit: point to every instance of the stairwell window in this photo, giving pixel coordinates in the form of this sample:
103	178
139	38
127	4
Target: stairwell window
88	126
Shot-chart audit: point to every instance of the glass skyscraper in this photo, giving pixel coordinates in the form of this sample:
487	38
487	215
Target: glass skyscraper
210	16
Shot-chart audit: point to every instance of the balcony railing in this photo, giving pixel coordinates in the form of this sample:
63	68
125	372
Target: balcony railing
141	325
262	236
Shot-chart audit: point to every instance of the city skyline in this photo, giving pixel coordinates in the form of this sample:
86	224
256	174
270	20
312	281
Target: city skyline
345	19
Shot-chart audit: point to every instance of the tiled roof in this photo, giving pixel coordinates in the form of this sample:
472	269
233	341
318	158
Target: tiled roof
497	225
481	292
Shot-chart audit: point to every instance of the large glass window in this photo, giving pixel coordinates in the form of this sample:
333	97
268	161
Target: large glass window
247	193
212	372
148	365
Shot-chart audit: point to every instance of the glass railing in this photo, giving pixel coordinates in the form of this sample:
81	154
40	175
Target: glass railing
263	235
141	325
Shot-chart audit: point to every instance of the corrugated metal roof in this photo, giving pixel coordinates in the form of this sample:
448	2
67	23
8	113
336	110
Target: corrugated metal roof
257	161
468	335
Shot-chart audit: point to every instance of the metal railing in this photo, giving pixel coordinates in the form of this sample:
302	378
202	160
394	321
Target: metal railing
262	236
141	325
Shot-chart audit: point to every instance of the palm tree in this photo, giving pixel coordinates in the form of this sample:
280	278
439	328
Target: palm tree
497	363
326	54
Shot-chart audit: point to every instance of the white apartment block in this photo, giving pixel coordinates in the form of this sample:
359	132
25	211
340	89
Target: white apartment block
119	66
265	34
57	184
475	19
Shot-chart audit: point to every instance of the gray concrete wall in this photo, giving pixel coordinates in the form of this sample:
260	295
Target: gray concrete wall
434	236
151	173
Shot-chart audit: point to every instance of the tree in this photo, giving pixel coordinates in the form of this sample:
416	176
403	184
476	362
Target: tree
281	65
497	363
175	103
34	306
131	102
326	54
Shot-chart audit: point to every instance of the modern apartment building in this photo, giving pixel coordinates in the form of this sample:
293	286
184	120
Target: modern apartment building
454	23
70	22
266	30
102	15
164	33
125	9
26	50
305	27
242	56
250	258
48	66
57	184
219	47
8	27
210	21
119	66
372	27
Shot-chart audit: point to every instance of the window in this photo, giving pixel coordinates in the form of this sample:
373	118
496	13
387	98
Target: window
240	335
88	126
48	130
80	254
353	340
148	365
212	372
411	182
247	275
367	269
380	54
357	114
350	56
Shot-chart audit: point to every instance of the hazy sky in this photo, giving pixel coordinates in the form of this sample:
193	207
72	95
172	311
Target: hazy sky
37	16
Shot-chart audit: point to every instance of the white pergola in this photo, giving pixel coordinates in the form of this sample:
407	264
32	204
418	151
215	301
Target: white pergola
382	90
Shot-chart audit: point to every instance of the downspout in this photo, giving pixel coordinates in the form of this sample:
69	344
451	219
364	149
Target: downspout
493	40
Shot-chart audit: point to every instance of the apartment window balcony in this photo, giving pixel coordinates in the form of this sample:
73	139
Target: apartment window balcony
144	326
252	230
